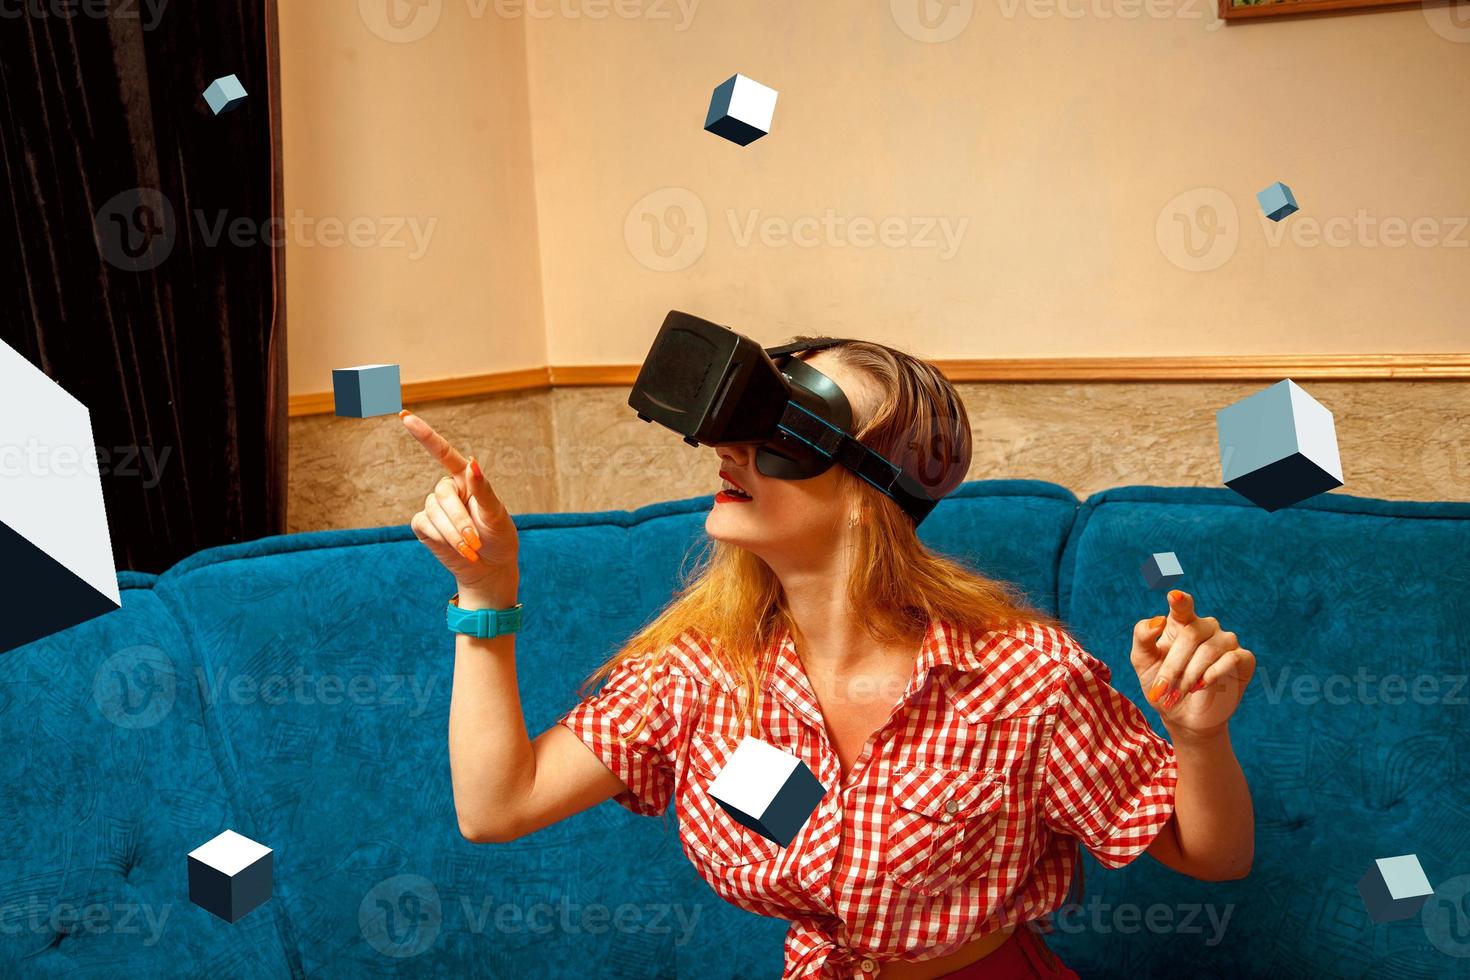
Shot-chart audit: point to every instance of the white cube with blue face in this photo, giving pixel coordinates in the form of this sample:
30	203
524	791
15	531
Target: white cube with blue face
1161	570
366	390
1277	201
230	875
55	549
1394	888
224	94
767	789
1278	447
741	110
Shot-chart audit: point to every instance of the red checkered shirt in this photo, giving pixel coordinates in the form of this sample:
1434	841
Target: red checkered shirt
962	814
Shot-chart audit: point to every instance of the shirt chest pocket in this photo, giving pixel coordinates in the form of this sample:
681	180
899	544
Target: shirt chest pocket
709	833
941	826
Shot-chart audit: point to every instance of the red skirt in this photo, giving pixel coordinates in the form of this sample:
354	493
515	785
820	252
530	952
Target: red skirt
1022	956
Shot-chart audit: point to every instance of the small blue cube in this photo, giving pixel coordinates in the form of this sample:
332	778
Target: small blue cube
367	390
224	94
1162	570
1277	201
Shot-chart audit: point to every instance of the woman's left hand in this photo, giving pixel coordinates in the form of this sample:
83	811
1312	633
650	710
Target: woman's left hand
1192	671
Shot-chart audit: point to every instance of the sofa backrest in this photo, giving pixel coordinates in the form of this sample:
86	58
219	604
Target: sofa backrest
1353	733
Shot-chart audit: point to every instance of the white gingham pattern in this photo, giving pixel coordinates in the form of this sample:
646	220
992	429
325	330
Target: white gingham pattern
958	818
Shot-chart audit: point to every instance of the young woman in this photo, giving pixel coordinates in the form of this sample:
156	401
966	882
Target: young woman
967	743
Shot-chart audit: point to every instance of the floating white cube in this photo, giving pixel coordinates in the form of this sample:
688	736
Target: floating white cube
224	94
1394	888
55	551
1278	447
767	789
741	109
229	875
1162	570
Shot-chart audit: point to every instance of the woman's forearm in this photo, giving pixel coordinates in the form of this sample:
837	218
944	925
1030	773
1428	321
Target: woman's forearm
491	761
1213	816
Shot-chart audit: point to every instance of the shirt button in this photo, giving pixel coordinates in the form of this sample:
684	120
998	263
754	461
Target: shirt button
869	964
950	806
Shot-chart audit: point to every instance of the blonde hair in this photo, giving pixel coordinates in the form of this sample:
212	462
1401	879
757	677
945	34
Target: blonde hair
733	599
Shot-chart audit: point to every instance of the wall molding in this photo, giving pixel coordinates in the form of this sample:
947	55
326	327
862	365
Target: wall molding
1260	367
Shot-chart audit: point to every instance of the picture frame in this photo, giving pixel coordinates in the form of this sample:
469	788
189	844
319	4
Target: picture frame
1250	9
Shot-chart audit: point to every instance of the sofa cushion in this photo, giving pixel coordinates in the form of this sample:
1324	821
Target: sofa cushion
108	780
1347	604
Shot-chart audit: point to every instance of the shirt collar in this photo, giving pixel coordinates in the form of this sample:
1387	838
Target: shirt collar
944	644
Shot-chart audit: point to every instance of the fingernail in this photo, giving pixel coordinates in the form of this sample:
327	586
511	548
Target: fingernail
475	468
1156	622
468	552
471	536
1175	595
1201	685
403	413
1170	699
1158	688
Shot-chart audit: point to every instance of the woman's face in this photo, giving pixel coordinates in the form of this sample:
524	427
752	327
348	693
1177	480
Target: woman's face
789	523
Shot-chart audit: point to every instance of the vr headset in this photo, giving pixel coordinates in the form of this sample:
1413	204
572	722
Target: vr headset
717	387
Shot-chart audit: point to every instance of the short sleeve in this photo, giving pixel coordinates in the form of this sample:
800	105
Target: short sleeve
605	721
1109	777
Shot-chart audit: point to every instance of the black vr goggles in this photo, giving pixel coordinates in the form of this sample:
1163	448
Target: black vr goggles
718	387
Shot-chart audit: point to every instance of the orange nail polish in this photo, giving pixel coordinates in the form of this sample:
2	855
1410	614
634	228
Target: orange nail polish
403	413
1159	686
471	536
1170	700
475	468
1201	685
1156	622
1175	595
468	552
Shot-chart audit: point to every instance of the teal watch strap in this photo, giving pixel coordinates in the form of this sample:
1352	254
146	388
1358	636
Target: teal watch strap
483	623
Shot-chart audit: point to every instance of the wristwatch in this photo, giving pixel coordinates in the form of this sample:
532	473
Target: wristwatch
483	623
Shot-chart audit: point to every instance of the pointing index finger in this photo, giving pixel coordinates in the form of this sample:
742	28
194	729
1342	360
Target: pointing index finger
1181	606
436	444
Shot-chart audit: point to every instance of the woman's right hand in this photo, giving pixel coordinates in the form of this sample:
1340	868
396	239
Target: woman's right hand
463	523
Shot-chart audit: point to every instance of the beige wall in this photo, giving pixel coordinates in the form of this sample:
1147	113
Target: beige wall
1055	145
1066	155
431	136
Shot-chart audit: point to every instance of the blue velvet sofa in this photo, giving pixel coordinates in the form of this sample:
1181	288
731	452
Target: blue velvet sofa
296	689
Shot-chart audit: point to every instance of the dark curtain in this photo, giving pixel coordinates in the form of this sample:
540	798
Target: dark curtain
144	270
